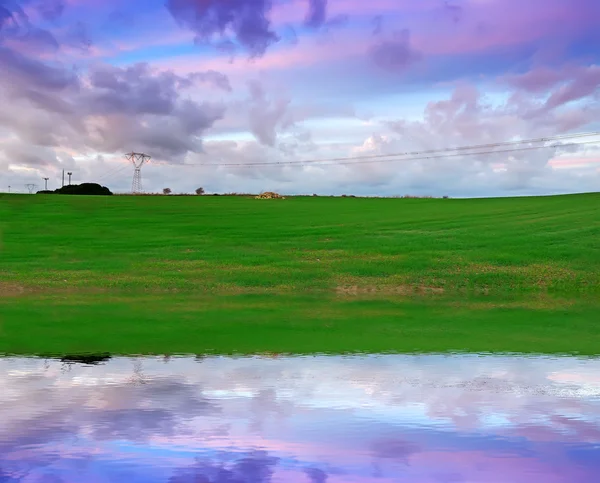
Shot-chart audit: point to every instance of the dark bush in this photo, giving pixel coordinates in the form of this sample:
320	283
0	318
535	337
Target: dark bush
45	192
92	189
87	359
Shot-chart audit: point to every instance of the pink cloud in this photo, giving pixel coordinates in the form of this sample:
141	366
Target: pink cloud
481	466
295	11
573	162
303	55
585	83
538	80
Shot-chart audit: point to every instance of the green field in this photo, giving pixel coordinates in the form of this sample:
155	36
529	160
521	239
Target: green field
166	275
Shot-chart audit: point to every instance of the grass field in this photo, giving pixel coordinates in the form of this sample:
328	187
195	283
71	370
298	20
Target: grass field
168	275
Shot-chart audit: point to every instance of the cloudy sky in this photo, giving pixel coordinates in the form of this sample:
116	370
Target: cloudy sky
328	419
251	95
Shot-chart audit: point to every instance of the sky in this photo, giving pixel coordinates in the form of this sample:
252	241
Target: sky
256	95
326	419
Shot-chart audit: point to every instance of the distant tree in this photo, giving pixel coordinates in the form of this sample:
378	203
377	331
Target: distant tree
200	191
166	191
93	189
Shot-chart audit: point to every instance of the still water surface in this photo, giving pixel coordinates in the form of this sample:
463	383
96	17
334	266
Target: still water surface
363	419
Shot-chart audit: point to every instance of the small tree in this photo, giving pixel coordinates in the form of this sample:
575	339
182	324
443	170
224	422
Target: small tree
166	191
200	191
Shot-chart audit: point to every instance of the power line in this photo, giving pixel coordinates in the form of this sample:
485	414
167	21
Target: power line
113	172
395	157
406	156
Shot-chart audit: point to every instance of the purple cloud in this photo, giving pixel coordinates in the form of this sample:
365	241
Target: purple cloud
25	71
255	467
454	11
316	475
5	15
582	85
248	19
395	54
133	90
212	77
317	13
51	9
66	97
394	449
78	36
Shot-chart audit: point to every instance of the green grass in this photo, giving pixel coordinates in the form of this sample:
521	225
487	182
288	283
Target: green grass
231	274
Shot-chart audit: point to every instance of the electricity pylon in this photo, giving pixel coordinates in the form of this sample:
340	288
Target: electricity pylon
138	160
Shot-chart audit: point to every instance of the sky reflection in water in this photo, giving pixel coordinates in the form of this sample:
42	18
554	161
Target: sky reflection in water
423	418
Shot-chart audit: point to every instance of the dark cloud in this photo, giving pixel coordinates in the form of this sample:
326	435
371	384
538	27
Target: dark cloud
248	19
119	20
28	156
5	15
5	477
377	25
146	108
337	21
78	36
317	13
49	478
449	478
394	449
133	90
214	78
316	475
37	40
11	15
21	71
255	467
454	11
16	27
51	9
395	54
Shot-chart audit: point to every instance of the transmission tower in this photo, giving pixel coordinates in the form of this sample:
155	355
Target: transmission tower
31	187
138	160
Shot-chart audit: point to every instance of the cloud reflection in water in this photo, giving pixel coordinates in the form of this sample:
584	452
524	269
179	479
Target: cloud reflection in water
363	419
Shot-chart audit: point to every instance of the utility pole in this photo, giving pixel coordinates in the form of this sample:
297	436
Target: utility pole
63	178
31	187
46	183
9	188
69	173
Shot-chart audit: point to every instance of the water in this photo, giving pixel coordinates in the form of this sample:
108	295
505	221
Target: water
363	419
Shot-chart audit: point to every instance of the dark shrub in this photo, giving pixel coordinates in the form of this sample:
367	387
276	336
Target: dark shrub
93	189
87	359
